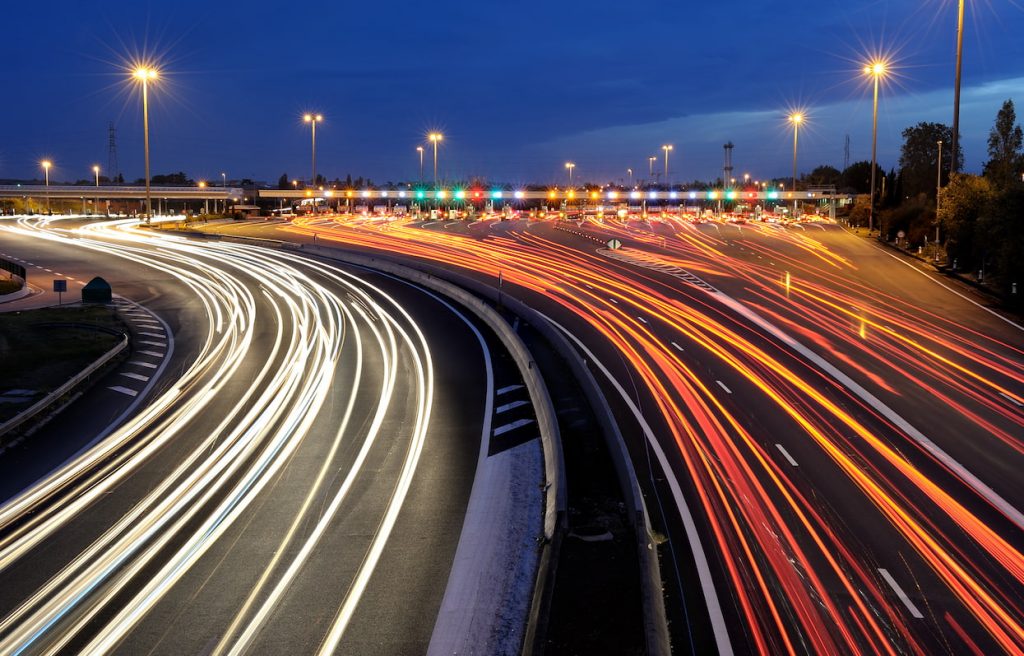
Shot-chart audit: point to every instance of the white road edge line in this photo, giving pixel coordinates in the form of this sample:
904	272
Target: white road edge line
785	453
900	593
1011	400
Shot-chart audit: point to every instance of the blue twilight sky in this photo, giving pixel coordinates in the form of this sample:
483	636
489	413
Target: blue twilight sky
518	88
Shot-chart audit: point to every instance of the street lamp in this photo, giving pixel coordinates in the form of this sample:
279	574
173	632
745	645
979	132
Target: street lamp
224	186
796	119
938	191
145	74
666	148
96	172
956	86
313	119
876	70
629	172
419	149
46	164
650	166
570	166
206	201
434	138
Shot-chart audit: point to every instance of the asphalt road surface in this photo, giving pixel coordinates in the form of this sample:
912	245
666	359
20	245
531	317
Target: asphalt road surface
829	438
294	483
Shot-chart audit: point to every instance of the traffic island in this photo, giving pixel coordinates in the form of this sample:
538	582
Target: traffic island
48	356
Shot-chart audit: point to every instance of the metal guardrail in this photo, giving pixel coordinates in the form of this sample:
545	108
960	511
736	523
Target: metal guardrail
46	402
13	268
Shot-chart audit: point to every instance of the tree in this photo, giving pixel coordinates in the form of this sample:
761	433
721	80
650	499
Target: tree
919	157
962	202
857	177
282	182
1000	242
823	176
1004	148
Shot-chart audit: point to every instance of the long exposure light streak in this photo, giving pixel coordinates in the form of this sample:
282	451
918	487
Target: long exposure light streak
799	572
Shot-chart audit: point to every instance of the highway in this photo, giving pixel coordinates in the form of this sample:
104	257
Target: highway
296	476
829	438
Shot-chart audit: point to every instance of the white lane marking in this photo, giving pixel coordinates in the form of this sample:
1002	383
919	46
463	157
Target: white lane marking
506	390
900	593
707	584
973	302
139	363
123	390
141	332
786	454
150	342
519	423
722	385
128	374
613	301
155	354
642	320
677	347
510	406
515	325
1011	399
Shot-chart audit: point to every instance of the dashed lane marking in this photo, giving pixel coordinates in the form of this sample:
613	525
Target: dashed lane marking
677	347
900	593
722	385
128	374
150	342
124	390
139	363
155	354
509	406
785	453
506	390
519	423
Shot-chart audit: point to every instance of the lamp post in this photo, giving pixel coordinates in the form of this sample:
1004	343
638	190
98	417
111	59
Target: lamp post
419	149
224	186
570	166
46	164
144	75
629	172
435	137
650	166
96	172
796	119
206	201
313	119
956	86
877	71
938	191
666	148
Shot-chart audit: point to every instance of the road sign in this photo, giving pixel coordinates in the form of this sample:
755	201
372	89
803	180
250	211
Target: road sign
60	286
614	244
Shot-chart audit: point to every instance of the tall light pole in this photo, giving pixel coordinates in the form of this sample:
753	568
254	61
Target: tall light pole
956	86
206	201
419	149
877	71
629	172
650	166
435	137
46	164
144	75
938	191
570	166
224	186
666	148
313	119
96	172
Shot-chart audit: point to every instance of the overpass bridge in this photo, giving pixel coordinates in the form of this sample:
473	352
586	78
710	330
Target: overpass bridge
125	192
554	194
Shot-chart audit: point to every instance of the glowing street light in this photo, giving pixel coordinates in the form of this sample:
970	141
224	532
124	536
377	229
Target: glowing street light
629	173
570	166
666	148
650	165
419	149
796	119
313	119
434	138
877	70
46	164
145	75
